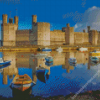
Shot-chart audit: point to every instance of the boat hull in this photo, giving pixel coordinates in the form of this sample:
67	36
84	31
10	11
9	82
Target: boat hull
4	63
22	82
22	87
95	54
44	71
46	49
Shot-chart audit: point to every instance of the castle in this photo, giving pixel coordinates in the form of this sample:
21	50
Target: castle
40	34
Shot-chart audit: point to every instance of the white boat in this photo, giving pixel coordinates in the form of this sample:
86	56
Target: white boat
83	49
72	60
59	49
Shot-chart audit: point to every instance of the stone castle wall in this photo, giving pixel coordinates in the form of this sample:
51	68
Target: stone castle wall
43	32
22	37
57	37
81	37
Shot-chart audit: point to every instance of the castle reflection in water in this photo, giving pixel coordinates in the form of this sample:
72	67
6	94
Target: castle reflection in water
19	60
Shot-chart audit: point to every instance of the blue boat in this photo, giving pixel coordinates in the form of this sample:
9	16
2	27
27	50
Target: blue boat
49	59
49	64
44	71
3	66
4	62
94	59
46	49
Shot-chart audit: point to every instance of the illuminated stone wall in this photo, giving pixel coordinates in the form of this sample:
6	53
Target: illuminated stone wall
9	31
57	37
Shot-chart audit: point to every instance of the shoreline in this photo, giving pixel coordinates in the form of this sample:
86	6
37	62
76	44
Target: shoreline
88	95
34	48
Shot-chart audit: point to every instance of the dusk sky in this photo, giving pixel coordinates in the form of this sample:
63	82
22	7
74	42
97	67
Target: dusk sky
79	13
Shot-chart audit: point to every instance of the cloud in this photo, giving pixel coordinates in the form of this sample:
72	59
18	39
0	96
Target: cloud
91	18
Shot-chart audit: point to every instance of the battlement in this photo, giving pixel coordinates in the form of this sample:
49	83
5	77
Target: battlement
57	31
4	17
22	31
11	20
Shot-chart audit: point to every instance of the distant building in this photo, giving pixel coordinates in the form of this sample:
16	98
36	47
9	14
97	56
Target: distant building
40	34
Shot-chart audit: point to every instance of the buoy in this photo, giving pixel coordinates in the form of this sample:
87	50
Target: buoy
33	60
16	59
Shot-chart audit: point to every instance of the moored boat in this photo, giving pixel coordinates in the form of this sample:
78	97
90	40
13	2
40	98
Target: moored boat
59	49
4	62
49	59
41	70
72	60
95	53
46	49
83	49
94	59
22	82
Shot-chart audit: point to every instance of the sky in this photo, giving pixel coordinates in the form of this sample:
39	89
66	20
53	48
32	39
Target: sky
79	13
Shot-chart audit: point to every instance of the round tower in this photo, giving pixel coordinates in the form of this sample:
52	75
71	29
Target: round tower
16	20
34	18
4	17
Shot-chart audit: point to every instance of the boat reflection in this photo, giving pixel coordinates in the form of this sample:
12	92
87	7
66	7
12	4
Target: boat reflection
43	78
21	82
17	94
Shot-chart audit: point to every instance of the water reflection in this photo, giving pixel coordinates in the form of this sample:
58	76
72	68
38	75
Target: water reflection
61	72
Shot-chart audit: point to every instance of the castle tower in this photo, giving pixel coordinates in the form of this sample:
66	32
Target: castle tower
69	35
16	20
4	17
9	31
34	18
88	29
93	36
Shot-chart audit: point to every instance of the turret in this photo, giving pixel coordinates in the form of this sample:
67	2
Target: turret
4	17
34	18
84	31
16	20
68	25
11	20
88	29
69	35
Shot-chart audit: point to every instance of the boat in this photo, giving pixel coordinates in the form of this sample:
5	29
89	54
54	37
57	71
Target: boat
22	82
49	64
4	62
59	49
95	53
72	60
49	59
83	49
94	59
47	49
41	70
